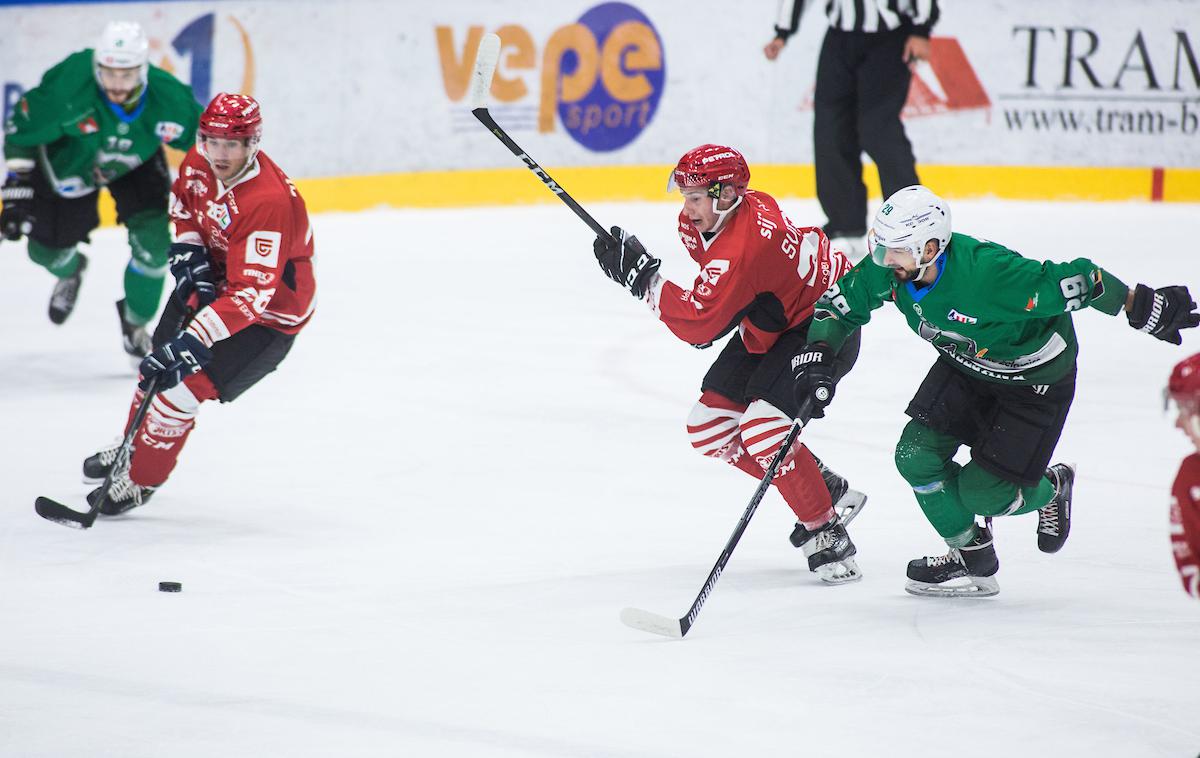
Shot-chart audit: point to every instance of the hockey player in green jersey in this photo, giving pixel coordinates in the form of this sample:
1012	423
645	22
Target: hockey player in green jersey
1003	382
99	118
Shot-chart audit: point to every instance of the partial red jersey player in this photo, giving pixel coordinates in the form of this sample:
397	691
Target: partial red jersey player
244	287
760	277
1184	390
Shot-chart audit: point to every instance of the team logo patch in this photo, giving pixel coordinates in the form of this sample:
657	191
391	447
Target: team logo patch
88	126
262	249
169	131
1033	302
712	272
220	214
961	318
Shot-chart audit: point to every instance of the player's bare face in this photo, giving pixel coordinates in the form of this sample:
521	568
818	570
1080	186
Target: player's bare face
697	206
1188	421
901	262
226	156
119	83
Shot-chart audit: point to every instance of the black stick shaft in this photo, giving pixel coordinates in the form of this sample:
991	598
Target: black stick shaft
802	417
486	119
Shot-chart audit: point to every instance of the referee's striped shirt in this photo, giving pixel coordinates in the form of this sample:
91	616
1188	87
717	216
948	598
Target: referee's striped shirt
863	15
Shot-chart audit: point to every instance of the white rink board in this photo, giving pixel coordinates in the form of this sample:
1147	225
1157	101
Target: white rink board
364	87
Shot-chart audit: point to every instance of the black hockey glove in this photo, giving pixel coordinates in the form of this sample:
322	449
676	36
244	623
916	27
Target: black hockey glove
623	259
812	371
192	269
174	361
16	218
1163	312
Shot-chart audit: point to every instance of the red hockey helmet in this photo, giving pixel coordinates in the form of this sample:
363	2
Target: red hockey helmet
1184	383
713	167
232	117
1184	389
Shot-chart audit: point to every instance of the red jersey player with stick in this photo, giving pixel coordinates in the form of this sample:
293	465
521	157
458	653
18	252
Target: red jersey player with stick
1184	389
242	261
761	276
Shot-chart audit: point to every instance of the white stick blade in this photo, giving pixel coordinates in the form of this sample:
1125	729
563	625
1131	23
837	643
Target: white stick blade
645	621
485	67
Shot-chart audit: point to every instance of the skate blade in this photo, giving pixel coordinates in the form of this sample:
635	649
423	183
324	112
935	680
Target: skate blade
840	572
980	586
849	505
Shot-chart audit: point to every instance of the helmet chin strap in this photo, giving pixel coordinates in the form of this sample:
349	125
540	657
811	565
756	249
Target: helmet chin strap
721	215
923	267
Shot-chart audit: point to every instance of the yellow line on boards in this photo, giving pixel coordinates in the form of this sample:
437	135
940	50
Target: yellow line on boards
516	186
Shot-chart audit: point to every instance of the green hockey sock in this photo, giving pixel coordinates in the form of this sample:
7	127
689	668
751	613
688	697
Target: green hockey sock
60	261
149	240
986	494
944	508
1037	496
925	459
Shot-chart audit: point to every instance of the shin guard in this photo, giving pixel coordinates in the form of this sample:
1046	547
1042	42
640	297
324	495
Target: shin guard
171	418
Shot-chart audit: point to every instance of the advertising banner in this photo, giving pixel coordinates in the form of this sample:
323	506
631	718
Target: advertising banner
365	87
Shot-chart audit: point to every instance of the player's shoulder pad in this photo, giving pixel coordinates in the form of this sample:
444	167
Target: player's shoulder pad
978	254
167	86
68	82
1189	470
765	225
273	192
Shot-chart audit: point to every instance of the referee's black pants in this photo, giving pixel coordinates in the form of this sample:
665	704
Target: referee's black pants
862	83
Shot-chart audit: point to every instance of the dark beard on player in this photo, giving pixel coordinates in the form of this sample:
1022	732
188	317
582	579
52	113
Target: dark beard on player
901	275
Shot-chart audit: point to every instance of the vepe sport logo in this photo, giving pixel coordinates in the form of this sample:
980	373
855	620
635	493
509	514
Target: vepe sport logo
603	76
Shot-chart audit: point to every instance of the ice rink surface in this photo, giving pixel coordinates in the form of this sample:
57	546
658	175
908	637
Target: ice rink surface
416	537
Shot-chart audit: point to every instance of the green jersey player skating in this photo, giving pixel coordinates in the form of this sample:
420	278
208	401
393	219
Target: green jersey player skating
1003	382
99	118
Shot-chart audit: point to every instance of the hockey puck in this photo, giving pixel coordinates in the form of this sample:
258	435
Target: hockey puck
170	587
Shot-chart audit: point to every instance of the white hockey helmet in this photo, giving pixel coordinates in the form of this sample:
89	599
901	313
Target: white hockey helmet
122	44
907	221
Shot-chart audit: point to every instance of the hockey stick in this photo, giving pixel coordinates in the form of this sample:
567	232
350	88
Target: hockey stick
677	628
52	510
481	82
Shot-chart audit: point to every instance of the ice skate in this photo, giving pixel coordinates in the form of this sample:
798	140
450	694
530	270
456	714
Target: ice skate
123	495
829	551
66	292
133	337
846	501
963	572
1054	519
97	465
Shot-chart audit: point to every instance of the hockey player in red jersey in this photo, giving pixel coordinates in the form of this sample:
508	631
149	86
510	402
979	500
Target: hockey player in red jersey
1183	389
760	275
242	262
